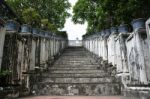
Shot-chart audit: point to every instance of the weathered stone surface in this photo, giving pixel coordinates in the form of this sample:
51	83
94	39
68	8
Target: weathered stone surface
81	80
78	89
68	76
2	39
32	55
76	75
137	62
148	38
111	48
126	55
121	58
25	56
77	71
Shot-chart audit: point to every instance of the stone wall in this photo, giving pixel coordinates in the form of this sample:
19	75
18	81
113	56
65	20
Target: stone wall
127	52
24	55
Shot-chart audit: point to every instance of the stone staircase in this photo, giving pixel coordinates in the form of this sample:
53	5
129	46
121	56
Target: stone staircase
76	72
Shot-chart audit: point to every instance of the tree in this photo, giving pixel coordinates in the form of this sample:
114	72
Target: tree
102	14
31	17
53	10
46	25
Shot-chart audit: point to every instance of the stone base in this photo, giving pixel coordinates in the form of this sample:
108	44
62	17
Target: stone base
78	89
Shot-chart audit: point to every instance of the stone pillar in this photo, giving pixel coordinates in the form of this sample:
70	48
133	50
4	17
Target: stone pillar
43	53
121	58
104	49
99	46
87	44
62	44
32	55
138	56
92	49
49	50
37	51
95	45
52	48
90	45
24	56
10	54
2	39
58	46
148	38
121	53
111	48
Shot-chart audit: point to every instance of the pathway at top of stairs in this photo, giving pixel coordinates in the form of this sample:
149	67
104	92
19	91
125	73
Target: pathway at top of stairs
76	72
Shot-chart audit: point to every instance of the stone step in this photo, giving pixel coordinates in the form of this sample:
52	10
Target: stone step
76	75
77	65
75	55
76	71
70	68
80	80
60	60
65	63
74	61
78	89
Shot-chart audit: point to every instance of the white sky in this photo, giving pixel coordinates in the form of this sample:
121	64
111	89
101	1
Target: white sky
74	30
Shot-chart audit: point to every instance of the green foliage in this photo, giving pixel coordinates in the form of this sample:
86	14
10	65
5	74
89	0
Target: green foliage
53	10
31	17
62	34
102	14
4	73
46	25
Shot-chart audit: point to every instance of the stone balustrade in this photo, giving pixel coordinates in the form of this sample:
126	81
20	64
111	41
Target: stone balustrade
126	51
25	53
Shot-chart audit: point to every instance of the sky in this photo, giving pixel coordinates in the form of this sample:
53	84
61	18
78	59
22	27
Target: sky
74	30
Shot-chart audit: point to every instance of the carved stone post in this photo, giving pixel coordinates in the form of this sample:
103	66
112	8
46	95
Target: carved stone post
52	48
111	46
42	49
104	49
87	44
54	45
47	49
99	46
2	39
148	36
33	49
37	50
25	45
10	55
95	45
137	54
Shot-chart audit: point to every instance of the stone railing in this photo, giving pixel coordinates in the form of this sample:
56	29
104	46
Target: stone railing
128	52
25	53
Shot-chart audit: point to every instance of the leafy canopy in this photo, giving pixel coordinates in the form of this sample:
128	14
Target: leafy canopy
102	14
34	10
